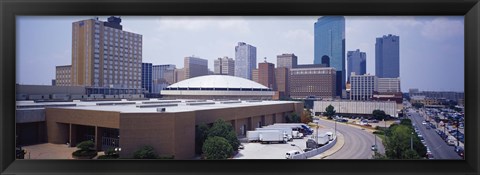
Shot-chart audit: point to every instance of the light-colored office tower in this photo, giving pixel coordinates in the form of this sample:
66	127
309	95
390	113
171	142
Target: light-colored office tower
329	46
356	62
162	76
389	85
104	55
255	75
317	82
288	60
387	56
245	60
195	67
266	75
179	75
362	87
224	66
63	75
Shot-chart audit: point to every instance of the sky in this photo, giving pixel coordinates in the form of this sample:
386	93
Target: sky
431	47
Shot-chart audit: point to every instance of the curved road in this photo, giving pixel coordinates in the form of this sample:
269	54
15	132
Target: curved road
358	142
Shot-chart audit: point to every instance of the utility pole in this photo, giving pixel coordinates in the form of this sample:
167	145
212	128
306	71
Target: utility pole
411	142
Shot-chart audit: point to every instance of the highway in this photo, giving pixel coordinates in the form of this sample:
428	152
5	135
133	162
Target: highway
438	147
358	142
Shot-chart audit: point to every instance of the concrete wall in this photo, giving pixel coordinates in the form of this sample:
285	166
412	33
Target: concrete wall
47	89
30	115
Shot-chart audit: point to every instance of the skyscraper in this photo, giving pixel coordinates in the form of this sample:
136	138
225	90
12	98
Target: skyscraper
245	60
147	77
387	56
356	62
266	75
195	67
317	82
224	66
104	55
162	76
287	60
329	46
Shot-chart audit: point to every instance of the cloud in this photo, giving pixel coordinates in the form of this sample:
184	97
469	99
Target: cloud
299	35
195	24
442	28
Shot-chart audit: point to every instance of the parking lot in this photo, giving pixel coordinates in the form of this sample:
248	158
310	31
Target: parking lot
256	150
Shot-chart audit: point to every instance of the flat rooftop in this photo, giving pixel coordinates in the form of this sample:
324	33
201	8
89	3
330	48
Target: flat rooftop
148	106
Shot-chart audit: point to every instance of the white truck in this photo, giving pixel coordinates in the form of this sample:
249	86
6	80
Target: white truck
292	131
323	138
253	136
286	130
269	136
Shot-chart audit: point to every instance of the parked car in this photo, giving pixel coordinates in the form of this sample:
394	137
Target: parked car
459	150
374	148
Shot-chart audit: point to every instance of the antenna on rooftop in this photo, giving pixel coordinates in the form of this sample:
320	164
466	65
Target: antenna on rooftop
265	59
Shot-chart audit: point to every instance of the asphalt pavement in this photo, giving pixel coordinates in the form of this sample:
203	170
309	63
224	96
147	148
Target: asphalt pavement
438	147
358	142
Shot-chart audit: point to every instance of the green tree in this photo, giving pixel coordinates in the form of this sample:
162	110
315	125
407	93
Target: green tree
146	152
398	144
330	111
85	149
379	114
201	133
410	154
223	129
406	122
217	148
86	145
292	118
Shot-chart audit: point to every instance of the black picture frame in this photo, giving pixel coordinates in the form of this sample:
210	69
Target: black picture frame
9	9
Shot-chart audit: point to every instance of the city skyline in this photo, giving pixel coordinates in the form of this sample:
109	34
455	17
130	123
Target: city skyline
442	36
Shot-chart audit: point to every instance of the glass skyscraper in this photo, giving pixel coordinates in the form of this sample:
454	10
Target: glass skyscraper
147	77
356	62
387	56
329	46
245	60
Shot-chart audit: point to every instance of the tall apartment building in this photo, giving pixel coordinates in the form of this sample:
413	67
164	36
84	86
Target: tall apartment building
266	75
147	77
282	80
224	66
317	82
387	56
391	85
195	67
245	60
104	55
287	60
329	46
362	87
162	76
356	62
63	75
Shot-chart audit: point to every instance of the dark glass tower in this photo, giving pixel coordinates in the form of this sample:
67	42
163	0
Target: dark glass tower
356	62
387	56
329	46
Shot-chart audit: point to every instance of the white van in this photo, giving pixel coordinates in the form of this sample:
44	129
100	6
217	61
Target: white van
291	153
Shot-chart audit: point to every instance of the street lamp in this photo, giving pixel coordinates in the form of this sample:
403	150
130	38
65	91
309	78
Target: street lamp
411	142
336	126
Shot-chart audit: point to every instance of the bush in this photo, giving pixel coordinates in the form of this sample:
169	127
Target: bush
146	152
217	148
84	154
86	145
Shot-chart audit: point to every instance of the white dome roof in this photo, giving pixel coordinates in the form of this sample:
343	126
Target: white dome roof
218	81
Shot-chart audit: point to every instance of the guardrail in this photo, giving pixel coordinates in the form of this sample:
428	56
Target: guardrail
314	152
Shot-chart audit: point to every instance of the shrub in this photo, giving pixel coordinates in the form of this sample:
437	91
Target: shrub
217	148
146	152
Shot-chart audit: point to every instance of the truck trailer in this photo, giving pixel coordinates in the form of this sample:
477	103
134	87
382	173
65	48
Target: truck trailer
269	136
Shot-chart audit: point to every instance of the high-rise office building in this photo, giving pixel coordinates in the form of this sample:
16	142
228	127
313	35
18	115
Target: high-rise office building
195	67
329	46
245	60
255	75
162	76
104	55
316	82
282	80
147	77
63	75
390	85
387	56
179	75
266	75
287	60
224	66
356	62
362	86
